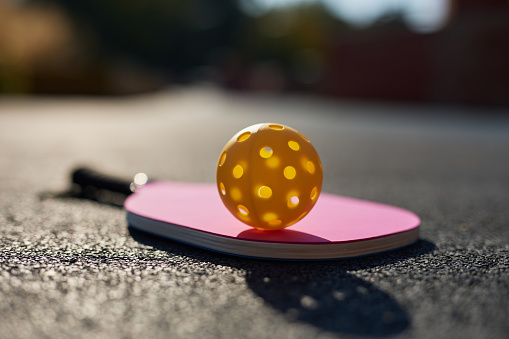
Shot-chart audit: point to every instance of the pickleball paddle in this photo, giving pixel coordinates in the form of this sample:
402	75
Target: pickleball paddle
193	213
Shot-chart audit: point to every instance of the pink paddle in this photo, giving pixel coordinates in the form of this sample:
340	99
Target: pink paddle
337	227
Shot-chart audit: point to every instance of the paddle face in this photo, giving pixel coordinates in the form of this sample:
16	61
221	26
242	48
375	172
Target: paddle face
337	227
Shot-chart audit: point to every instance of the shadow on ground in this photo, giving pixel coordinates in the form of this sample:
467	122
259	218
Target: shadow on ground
335	302
320	293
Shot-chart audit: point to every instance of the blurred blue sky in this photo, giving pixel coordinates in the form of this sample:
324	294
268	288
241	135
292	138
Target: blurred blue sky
421	16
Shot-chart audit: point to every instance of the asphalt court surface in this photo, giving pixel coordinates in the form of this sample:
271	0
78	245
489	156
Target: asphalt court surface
72	267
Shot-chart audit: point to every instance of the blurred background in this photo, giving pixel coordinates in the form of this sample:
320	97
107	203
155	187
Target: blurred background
440	51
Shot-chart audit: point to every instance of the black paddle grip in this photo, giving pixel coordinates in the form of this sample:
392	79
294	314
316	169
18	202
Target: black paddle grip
89	182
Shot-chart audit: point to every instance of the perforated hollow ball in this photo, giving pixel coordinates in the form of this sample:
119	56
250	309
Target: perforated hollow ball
269	176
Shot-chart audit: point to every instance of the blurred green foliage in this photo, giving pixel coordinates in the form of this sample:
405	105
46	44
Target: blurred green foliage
170	34
178	35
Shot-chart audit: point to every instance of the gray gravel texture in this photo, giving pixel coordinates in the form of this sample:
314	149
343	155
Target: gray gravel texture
71	267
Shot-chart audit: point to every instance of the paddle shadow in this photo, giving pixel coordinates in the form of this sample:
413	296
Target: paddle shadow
320	293
288	235
102	197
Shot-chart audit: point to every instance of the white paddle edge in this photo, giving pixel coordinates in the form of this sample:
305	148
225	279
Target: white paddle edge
273	250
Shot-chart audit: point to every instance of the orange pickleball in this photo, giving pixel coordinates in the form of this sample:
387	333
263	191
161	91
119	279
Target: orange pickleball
269	176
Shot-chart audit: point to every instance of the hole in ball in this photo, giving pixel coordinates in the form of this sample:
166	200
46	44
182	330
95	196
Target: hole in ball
265	192
243	136
274	223
222	158
302	216
311	167
294	145
293	201
303	137
276	127
314	193
238	171
289	172
266	152
243	210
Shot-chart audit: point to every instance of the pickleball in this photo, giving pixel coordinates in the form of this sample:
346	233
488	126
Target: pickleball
269	176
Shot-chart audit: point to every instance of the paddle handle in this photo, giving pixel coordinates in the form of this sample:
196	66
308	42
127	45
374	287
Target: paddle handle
91	184
89	179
